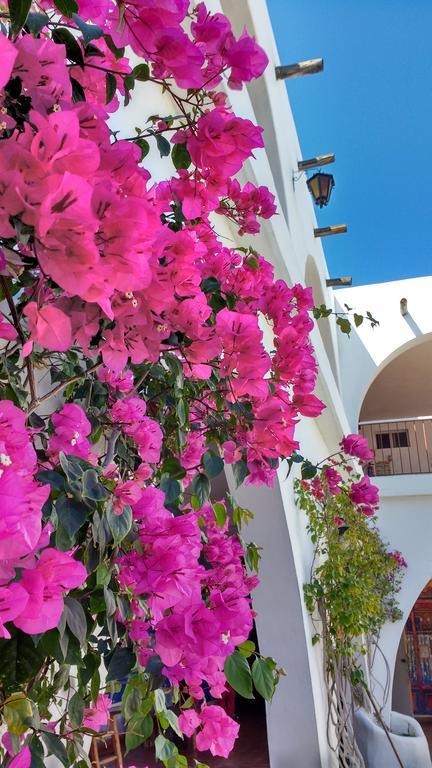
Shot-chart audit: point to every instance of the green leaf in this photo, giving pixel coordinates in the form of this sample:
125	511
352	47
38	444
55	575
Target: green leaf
67	7
144	147
36	22
55	747
76	710
131	703
180	156
73	49
54	479
213	465
220	513
171	488
263	679
358	319
17	711
120	525
164	748
171	721
76	619
344	324
238	674
240	472
110	602
121	663
21	660
141	72
159	700
308	470
110	87
18	10
163	145
78	93
139	730
200	487
92	488
71	513
88	31
247	648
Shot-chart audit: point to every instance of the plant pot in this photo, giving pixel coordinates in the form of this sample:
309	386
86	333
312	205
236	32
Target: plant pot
406	735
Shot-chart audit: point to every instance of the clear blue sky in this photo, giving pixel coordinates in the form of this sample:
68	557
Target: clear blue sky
372	106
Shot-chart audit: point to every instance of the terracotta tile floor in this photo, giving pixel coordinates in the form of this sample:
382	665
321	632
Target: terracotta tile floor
250	750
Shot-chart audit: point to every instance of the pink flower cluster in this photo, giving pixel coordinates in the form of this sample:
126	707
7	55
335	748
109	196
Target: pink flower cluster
192	634
217	731
34	600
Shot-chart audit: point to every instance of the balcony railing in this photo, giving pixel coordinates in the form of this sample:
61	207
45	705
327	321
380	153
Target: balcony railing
400	447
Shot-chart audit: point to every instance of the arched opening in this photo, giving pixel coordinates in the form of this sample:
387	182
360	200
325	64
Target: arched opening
412	681
396	414
312	279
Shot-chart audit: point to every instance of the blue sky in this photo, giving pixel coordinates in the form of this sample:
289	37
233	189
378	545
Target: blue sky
372	106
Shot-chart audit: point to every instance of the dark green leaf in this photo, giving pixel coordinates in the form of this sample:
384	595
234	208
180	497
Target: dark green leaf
263	679
76	710
139	730
73	49
200	487
344	324
55	747
120	525
78	93
21	660
131	703
163	145
109	602
121	663
144	147
110	87
308	470
18	10
91	663
180	156
238	674
92	488
240	472
358	319
67	7
71	513
75	619
171	488
54	479
118	52
141	72
213	465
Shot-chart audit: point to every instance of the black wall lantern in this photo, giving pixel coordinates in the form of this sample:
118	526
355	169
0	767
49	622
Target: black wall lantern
320	186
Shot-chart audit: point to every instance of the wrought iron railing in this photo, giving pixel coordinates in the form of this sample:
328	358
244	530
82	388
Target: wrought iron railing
400	447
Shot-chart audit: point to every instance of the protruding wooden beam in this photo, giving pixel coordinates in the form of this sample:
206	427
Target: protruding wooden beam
336	229
336	282
310	67
315	162
403	307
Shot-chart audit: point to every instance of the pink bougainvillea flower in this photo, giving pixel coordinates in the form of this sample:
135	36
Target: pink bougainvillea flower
219	731
7	331
71	430
49	326
13	600
189	720
365	495
356	445
22	760
97	716
8	54
54	574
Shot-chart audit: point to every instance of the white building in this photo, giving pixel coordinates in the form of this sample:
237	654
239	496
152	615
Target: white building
379	377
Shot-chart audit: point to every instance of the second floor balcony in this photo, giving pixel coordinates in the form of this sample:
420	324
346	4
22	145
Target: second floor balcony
400	446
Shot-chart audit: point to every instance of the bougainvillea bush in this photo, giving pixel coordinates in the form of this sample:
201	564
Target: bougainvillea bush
133	369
